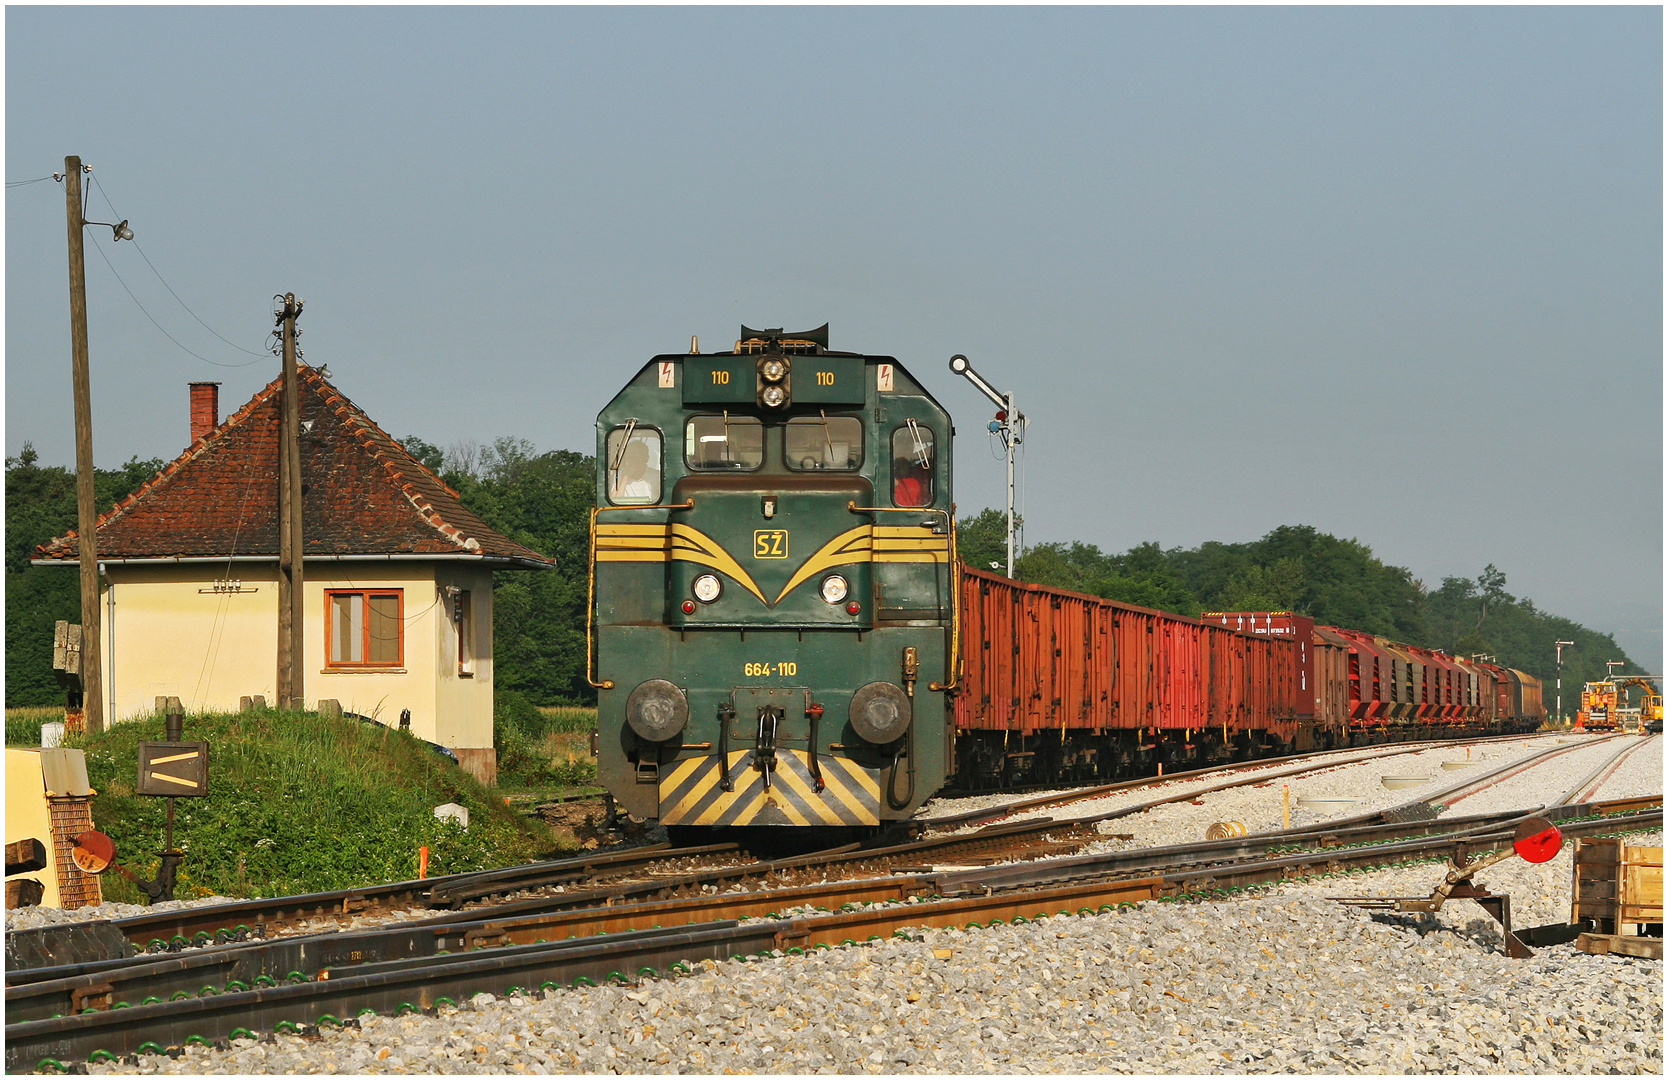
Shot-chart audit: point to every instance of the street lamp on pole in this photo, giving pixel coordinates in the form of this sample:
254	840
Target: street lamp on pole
1559	645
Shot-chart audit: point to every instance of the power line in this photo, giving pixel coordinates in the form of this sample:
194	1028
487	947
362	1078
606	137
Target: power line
158	325
26	183
117	214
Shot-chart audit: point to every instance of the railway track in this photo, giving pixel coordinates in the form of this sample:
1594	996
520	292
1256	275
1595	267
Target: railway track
643	873
638	873
151	1003
1240	774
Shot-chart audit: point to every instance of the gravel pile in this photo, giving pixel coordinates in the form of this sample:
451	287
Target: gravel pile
1285	982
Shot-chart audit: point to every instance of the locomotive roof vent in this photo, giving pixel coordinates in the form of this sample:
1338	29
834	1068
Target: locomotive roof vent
802	343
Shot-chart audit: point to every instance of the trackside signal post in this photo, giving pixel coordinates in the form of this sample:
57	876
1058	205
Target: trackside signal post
1010	424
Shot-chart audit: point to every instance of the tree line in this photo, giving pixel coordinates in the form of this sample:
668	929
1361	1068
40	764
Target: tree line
1336	582
544	501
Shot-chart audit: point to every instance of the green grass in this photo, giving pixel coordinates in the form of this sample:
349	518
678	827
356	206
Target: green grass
300	803
23	725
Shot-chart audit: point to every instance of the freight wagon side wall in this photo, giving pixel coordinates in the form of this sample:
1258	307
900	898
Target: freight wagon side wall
1036	658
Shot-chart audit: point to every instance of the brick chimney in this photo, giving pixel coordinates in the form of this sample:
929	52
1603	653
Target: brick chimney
205	408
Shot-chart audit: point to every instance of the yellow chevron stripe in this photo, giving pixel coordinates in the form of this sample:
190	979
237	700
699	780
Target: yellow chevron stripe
851	546
691	545
632	529
851	792
837	785
850	782
781	779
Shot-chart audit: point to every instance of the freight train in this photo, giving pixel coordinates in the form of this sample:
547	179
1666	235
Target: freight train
781	633
1063	686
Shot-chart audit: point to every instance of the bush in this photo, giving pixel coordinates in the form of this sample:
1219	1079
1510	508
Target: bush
301	803
541	748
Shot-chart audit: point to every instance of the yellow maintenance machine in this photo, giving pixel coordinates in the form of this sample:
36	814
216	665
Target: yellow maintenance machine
1637	719
1598	707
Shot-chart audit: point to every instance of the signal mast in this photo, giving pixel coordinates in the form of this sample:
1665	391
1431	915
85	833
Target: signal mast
1010	424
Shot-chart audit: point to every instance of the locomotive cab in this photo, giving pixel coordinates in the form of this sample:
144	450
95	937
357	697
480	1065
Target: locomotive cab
772	588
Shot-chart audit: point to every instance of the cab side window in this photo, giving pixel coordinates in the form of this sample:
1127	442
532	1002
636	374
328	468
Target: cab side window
633	465
912	465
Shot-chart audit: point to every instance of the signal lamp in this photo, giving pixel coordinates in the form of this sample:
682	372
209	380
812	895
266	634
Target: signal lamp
773	370
834	588
689	607
707	587
854	607
774	396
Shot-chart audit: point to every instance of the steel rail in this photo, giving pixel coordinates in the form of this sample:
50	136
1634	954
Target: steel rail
58	947
1102	790
1608	768
45	992
402	985
1327	837
462	888
180	928
1435	802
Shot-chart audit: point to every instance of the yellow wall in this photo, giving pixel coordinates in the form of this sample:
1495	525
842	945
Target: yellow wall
27	816
168	632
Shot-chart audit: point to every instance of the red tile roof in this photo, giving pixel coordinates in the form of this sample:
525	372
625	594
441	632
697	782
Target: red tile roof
362	494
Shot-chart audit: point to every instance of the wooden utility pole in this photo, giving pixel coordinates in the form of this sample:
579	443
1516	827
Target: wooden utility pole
291	603
92	685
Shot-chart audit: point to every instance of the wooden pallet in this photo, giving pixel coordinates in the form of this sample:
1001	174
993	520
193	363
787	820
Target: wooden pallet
1619	888
1598	944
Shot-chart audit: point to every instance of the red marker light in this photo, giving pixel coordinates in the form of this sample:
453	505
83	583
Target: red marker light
854	607
1001	414
689	607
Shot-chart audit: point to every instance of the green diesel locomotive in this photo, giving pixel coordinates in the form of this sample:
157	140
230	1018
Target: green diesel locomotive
773	588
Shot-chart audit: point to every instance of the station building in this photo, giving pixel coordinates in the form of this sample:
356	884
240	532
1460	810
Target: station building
397	575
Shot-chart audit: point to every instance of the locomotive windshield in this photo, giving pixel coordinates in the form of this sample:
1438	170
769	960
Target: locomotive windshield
723	442
813	443
633	465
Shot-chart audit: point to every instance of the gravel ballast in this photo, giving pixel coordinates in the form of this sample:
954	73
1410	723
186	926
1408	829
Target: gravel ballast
1289	981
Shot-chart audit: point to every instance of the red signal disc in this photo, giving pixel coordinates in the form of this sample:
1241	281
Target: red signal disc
93	852
1537	840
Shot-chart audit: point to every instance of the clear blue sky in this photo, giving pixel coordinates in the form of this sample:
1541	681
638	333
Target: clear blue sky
1392	272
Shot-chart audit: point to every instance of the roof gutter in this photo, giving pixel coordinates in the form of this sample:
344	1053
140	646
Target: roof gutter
163	560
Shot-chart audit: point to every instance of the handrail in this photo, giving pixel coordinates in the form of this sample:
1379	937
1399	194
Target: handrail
955	617
591	586
952	662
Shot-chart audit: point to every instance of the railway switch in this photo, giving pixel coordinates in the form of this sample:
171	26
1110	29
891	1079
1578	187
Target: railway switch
1536	840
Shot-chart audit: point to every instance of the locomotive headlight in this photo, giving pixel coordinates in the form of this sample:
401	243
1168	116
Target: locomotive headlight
773	370
834	588
707	587
880	712
657	710
774	396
